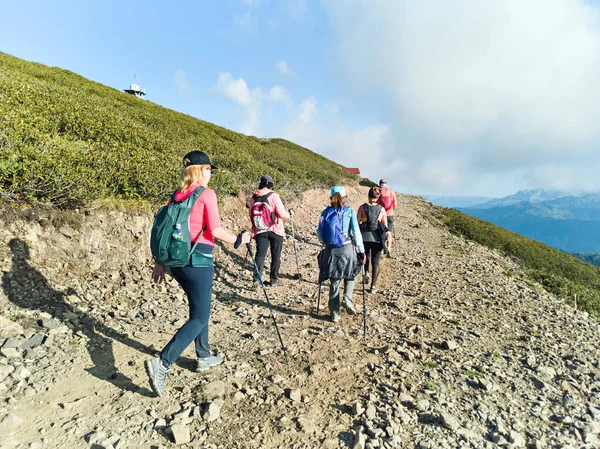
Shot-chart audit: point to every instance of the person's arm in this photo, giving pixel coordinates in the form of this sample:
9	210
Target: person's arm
279	208
356	231
362	214
394	200
213	221
383	217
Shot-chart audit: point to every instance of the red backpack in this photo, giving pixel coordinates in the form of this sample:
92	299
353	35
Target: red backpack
261	213
386	198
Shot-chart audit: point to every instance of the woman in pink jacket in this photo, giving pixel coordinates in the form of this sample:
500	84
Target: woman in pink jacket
267	214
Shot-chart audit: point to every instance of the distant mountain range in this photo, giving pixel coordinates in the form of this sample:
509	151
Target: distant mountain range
565	221
529	196
457	201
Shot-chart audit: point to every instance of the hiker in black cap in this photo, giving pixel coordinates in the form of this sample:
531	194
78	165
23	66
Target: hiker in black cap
196	278
267	214
372	220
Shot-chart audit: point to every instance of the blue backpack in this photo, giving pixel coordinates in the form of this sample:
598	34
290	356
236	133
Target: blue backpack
332	227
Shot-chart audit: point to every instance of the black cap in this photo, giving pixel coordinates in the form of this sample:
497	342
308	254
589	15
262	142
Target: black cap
266	179
197	157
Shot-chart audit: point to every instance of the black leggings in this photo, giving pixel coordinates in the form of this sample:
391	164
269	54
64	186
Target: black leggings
373	252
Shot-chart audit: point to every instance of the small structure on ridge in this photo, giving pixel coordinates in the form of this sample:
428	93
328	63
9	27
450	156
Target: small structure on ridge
136	90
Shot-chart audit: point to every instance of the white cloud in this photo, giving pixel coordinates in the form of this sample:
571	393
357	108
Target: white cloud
364	148
282	68
236	89
181	82
304	124
278	94
477	87
308	108
251	100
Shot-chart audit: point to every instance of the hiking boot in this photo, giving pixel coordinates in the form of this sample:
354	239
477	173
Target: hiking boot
157	373
335	317
350	308
367	277
205	363
276	283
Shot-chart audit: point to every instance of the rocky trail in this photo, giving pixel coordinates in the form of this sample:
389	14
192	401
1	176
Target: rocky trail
461	351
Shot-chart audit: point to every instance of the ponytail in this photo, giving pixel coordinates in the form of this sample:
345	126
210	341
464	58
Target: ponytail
337	200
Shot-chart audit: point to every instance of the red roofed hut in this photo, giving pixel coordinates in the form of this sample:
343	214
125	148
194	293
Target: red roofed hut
354	171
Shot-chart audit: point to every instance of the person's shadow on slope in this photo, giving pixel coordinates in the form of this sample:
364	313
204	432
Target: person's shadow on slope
27	288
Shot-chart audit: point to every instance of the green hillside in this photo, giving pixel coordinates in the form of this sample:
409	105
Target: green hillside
69	141
559	272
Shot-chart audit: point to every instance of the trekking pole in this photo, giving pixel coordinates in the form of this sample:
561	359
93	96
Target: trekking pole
364	304
259	277
319	279
295	252
319	298
246	259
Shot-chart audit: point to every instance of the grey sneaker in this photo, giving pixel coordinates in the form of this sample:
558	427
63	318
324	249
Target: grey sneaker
276	283
335	317
350	308
373	290
157	373
367	277
205	363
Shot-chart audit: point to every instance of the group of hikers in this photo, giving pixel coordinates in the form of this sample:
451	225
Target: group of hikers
185	230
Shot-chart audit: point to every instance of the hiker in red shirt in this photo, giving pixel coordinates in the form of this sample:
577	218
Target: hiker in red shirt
267	214
389	202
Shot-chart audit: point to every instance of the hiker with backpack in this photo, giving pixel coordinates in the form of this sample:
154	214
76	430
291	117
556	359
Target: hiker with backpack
390	203
373	228
182	240
267	214
338	230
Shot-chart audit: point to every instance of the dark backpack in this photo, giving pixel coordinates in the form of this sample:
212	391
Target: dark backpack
261	213
332	227
170	240
372	223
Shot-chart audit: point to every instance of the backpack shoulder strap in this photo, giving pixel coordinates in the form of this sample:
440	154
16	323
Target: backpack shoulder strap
193	197
262	198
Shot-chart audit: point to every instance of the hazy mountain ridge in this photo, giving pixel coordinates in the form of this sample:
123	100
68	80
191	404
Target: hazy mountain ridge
592	258
529	196
457	201
569	223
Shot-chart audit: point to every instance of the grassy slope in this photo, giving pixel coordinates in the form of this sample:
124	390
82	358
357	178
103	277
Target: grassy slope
559	272
68	141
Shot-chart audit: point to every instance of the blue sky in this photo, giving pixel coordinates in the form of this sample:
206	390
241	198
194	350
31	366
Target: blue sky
460	97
